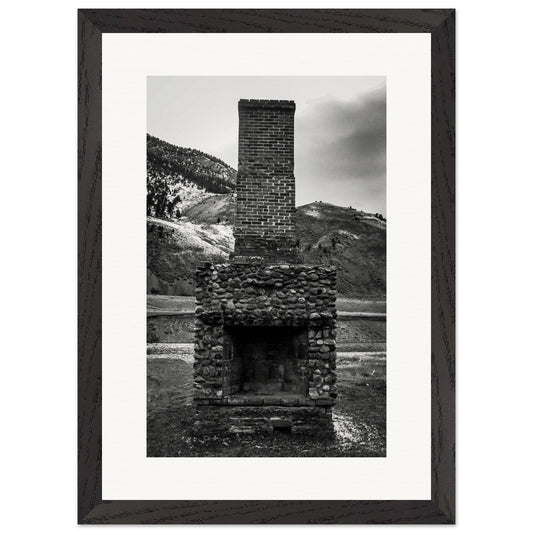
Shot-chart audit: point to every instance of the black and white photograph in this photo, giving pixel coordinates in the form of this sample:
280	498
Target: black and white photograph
266	266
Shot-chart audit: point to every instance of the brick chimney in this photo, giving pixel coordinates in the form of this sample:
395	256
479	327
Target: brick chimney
264	223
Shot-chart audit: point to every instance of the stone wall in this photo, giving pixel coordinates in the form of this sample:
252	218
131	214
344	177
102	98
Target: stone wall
258	294
264	221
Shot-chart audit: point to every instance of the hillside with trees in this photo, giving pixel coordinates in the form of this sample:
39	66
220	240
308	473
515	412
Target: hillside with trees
176	163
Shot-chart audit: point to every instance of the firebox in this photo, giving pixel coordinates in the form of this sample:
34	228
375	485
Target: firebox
265	332
267	360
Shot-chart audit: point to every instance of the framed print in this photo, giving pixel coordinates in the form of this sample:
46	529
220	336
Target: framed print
266	266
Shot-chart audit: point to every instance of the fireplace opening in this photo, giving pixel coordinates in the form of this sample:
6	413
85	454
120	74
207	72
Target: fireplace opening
267	360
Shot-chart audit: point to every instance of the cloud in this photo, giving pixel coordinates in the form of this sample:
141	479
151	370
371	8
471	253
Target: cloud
345	141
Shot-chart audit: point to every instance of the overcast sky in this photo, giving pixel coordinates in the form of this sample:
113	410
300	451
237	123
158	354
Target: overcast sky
339	128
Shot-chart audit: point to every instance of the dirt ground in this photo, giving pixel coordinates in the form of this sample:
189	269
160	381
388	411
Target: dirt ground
359	416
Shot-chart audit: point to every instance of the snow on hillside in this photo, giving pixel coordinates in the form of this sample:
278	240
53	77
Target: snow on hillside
312	210
348	234
209	239
190	194
321	210
179	163
371	220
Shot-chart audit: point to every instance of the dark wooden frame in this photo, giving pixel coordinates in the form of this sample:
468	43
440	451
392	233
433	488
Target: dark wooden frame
441	507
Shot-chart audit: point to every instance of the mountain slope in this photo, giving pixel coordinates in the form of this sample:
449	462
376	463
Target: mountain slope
353	241
213	209
190	174
175	248
204	170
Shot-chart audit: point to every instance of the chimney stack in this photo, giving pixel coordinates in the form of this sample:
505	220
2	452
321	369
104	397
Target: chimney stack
264	224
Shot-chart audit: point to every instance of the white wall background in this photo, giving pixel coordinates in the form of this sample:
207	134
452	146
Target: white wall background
39	261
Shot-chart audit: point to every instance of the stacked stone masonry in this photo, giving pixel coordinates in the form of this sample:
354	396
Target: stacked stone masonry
256	294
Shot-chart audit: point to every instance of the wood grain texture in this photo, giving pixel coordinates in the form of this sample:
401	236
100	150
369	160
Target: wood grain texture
443	265
91	508
89	265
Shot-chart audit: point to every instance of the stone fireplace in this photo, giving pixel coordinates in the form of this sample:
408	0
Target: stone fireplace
265	322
